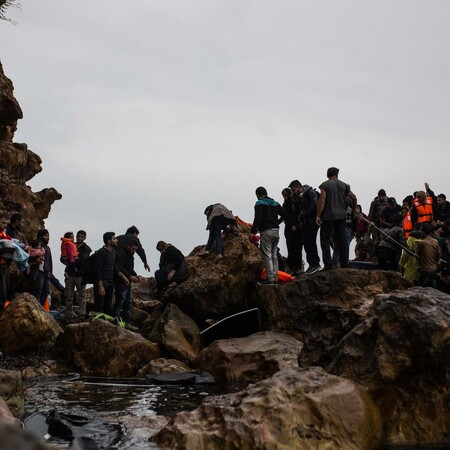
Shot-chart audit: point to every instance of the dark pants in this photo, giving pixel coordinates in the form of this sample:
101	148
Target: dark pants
180	275
294	243
3	288
103	304
41	286
428	279
387	259
215	234
337	229
310	230
122	306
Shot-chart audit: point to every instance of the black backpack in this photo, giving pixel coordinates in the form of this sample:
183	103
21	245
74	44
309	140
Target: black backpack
88	269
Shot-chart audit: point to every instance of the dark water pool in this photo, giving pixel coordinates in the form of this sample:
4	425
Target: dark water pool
139	410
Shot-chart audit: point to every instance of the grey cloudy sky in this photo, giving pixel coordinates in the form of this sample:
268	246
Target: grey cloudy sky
145	112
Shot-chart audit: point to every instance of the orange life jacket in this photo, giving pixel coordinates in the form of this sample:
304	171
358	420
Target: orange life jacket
64	243
424	212
282	276
407	225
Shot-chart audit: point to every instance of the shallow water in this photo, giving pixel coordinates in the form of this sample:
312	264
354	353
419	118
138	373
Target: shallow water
137	408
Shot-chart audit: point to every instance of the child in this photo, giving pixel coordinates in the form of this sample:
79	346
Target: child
36	253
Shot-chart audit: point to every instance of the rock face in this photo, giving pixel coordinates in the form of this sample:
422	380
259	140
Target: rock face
295	409
177	334
11	391
252	358
402	353
17	166
103	349
320	310
6	416
24	325
215	290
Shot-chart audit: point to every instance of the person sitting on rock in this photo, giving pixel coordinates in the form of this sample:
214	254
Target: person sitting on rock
219	217
172	266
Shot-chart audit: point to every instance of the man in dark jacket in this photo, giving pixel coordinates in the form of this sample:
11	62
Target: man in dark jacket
307	223
133	233
442	210
293	231
104	271
123	277
15	228
172	266
266	221
378	204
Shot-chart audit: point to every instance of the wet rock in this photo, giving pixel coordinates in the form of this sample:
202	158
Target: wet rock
321	309
215	290
161	366
11	391
24	325
6	416
251	358
177	334
103	349
402	353
295	409
15	438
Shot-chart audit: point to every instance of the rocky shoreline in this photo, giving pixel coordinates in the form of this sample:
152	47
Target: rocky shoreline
347	359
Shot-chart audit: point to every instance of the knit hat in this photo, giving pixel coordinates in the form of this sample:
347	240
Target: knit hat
42	232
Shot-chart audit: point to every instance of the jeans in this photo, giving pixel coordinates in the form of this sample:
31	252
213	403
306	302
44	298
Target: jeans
269	251
104	303
340	241
41	286
69	291
123	301
215	234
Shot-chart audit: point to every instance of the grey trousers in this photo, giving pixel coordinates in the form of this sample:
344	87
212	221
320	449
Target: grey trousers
269	249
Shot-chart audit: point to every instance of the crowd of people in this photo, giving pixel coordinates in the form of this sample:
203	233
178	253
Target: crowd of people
110	269
412	237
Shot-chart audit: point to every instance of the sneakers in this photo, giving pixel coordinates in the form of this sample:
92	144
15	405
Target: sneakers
313	269
203	253
218	258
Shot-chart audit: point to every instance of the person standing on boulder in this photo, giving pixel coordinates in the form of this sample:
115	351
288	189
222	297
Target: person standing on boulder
331	215
267	223
429	255
104	271
133	233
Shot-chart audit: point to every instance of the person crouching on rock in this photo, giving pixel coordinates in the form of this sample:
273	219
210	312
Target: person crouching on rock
172	266
219	218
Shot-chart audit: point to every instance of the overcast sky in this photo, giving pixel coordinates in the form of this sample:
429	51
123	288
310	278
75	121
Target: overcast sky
145	112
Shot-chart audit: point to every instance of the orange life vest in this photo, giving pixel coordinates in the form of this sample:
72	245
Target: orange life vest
282	276
64	243
424	212
407	225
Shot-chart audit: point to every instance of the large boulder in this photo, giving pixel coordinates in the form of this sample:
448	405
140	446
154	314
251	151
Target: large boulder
163	366
402	353
103	349
12	437
296	409
24	325
11	390
321	309
215	290
252	358
6	416
177	334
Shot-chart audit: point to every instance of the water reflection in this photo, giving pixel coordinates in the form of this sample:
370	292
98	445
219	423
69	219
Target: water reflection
115	403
